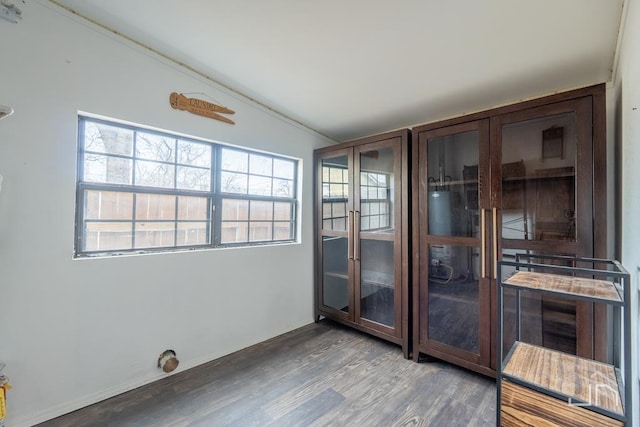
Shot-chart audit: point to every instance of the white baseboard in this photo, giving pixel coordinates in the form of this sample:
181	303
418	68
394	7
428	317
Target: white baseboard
74	405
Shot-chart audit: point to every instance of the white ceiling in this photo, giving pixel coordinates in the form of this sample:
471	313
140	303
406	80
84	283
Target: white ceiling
350	68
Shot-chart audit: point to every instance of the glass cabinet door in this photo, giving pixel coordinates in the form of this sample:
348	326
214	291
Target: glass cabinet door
538	179
336	246
545	153
454	286
378	251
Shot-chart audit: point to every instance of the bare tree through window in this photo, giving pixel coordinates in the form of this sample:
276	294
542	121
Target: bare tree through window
147	190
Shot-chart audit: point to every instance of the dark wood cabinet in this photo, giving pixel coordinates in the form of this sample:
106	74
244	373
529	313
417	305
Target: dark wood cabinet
525	178
362	235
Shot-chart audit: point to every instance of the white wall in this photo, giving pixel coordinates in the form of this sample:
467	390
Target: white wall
626	122
73	332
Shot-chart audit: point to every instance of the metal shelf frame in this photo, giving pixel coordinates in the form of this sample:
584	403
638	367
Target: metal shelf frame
594	268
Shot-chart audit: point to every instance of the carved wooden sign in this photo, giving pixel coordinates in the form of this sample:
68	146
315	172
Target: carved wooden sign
200	107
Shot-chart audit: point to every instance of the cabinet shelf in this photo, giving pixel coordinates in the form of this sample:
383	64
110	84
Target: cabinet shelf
570	286
454	182
552	174
539	177
572	378
375	278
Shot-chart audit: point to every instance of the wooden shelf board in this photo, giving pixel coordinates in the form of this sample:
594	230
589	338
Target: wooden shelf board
538	177
565	285
384	280
456	182
574	377
521	407
377	278
337	274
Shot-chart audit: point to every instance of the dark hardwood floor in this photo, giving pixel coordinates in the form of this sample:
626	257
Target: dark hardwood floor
320	375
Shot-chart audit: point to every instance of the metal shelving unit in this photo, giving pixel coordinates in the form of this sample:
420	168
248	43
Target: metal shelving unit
539	383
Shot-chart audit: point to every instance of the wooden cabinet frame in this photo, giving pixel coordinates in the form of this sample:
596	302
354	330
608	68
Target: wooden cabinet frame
589	106
399	333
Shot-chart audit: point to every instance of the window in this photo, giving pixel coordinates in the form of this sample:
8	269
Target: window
375	200
140	190
335	194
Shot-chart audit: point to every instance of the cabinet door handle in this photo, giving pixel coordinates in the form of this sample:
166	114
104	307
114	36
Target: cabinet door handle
495	243
356	240
350	236
483	242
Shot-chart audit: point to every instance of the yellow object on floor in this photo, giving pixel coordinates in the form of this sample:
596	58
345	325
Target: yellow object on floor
3	406
4	386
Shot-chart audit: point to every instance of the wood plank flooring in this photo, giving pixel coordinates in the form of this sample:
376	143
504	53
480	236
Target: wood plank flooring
323	374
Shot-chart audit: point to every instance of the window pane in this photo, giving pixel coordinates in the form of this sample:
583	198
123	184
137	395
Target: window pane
155	147
152	174
151	189
259	185
282	188
260	231
284	168
232	160
233	183
154	234
374	222
107	236
194	154
282	231
282	211
107	169
235	210
260	165
340	223
335	175
193	178
155	207
102	138
192	233
326	210
335	191
365	223
234	232
193	208
261	211
107	205
339	209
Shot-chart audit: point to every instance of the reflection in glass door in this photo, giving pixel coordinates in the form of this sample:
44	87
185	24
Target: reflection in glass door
453	279
538	203
377	237
538	179
336	233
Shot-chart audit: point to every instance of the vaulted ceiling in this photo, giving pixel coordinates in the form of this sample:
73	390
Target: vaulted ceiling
350	68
